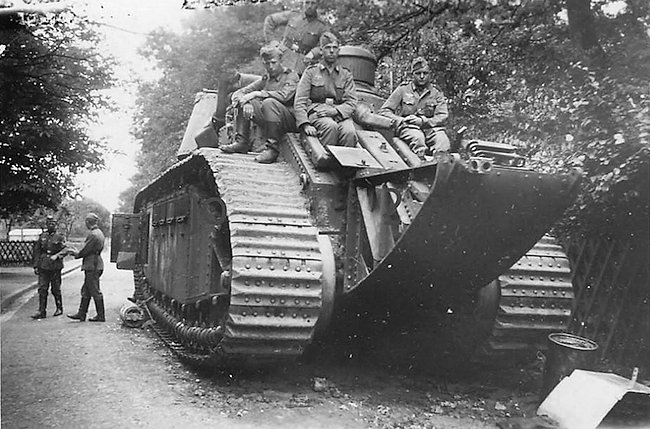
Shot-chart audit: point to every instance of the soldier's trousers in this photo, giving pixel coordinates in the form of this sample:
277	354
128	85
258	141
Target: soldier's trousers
90	288
332	133
417	139
268	111
47	278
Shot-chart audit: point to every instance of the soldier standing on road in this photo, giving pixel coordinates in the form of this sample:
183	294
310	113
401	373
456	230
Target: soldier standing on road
301	33
93	267
265	102
419	111
49	243
326	98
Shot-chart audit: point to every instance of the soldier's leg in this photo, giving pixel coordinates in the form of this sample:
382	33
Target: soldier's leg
437	140
328	131
43	285
96	294
414	137
347	133
56	291
85	301
277	120
242	143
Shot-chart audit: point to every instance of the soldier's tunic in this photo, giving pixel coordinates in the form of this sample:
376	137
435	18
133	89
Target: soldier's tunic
273	107
301	36
319	87
49	271
92	264
430	105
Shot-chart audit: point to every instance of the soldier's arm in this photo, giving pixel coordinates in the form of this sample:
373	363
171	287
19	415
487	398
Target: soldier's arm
36	255
350	98
287	92
247	90
440	114
273	21
301	100
91	246
390	106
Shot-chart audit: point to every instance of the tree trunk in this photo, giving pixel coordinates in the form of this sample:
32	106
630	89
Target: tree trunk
581	23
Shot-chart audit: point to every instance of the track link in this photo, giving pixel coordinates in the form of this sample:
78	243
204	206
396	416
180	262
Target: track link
536	299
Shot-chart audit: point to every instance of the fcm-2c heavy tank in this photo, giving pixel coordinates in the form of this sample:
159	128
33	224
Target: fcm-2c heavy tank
244	263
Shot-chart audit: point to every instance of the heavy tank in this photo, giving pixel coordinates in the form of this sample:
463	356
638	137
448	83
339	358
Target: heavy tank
244	263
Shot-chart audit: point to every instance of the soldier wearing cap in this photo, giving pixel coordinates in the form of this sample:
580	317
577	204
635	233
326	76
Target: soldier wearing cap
47	266
326	98
419	111
265	102
93	267
302	32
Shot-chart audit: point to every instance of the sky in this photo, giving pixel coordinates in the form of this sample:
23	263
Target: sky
125	25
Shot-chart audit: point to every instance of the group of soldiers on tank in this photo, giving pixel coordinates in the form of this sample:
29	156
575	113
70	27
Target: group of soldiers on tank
49	251
320	100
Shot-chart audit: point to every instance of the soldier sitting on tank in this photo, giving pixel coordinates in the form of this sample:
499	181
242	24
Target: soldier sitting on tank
265	102
326	98
302	31
419	111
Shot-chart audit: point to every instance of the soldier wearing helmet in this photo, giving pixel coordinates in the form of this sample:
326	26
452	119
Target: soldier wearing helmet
265	102
326	97
302	31
419	111
93	267
47	268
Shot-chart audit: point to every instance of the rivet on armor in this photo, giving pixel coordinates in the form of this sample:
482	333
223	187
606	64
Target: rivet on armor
294	315
308	270
243	313
304	316
246	282
297	301
282	301
259	267
270	284
297	268
281	314
257	282
258	299
268	314
255	313
285	268
552	279
297	285
307	285
248	267
271	268
246	299
272	300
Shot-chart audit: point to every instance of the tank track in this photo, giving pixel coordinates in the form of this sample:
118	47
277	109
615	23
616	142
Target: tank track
276	272
536	298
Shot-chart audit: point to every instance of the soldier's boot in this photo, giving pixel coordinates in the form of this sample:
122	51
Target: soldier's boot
271	151
83	309
42	306
242	142
59	305
99	306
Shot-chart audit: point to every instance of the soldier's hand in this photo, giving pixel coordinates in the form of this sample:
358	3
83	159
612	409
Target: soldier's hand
248	111
309	130
36	270
327	110
413	120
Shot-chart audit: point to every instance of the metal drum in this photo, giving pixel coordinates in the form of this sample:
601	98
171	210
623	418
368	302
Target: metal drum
361	62
565	353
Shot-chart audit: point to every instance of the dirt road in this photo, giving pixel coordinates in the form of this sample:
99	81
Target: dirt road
61	373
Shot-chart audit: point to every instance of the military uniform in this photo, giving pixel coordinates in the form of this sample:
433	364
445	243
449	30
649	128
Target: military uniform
430	105
301	35
49	272
270	111
318	87
93	267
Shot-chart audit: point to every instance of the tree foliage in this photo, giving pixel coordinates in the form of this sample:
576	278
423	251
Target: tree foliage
569	83
212	44
50	74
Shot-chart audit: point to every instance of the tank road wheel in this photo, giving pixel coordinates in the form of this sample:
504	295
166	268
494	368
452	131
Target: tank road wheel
275	273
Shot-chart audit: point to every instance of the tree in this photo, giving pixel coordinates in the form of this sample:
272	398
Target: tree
50	74
213	44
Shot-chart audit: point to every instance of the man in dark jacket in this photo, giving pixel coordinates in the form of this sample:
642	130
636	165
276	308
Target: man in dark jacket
48	270
93	267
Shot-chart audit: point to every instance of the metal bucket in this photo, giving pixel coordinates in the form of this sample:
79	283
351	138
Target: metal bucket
565	353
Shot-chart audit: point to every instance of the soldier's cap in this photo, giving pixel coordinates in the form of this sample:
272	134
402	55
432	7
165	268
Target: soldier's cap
92	217
49	218
328	37
419	63
271	50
